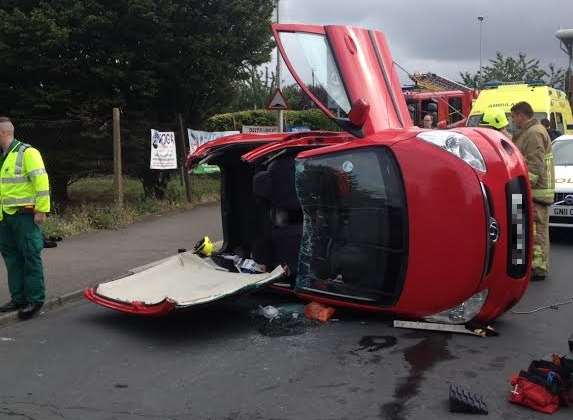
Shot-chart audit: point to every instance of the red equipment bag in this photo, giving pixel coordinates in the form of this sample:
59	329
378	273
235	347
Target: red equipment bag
532	395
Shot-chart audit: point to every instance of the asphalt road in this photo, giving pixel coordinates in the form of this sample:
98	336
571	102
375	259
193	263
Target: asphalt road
85	362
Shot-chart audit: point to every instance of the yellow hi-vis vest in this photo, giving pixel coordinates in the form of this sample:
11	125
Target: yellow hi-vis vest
23	180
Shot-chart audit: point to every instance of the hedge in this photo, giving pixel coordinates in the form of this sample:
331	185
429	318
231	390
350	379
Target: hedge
312	118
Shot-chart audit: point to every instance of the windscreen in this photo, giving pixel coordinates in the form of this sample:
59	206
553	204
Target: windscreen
355	225
563	152
313	61
475	120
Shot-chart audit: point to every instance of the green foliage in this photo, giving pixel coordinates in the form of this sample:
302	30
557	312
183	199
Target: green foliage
514	69
312	118
254	91
72	61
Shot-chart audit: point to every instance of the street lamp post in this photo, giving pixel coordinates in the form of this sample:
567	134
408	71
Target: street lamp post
566	38
480	19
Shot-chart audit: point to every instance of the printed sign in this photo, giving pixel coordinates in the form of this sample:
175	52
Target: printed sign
163	150
198	138
298	129
260	129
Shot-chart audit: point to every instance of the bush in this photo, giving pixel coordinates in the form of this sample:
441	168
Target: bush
312	118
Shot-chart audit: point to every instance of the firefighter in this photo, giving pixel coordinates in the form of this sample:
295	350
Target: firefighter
534	143
24	202
497	120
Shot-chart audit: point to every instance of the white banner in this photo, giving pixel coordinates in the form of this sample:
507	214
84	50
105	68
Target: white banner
259	129
163	150
198	138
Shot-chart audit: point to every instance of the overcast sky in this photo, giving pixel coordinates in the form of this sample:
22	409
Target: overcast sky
442	36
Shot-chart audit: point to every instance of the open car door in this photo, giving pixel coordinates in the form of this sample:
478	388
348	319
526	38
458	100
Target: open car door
348	72
178	282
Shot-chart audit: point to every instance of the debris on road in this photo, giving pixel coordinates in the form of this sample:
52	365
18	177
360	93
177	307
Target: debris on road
318	312
281	321
463	401
461	329
5	339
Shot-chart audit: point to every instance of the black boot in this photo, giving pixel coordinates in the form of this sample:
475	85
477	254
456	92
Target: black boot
29	310
11	307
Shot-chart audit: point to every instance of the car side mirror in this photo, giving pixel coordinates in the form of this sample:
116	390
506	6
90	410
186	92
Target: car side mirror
442	125
359	112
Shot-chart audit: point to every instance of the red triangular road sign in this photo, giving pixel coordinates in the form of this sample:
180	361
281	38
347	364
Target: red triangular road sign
278	102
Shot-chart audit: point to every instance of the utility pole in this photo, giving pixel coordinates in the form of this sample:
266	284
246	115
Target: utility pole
480	19
280	112
183	153
117	170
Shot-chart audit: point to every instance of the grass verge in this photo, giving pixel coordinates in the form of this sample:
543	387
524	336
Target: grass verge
92	206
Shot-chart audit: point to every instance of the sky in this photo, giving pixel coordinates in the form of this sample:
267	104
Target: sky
443	36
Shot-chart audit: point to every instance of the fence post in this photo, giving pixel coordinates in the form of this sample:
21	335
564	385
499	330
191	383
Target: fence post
117	171
183	154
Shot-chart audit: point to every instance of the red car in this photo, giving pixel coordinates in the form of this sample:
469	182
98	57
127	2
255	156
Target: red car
383	216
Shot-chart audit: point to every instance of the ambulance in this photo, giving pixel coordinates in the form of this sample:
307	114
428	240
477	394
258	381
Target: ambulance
546	102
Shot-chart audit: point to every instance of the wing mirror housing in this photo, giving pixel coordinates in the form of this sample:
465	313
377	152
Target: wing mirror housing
356	118
359	112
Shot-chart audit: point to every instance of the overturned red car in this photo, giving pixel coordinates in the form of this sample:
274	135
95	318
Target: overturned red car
382	216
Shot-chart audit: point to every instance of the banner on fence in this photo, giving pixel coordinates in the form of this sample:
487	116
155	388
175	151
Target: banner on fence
163	150
260	129
197	138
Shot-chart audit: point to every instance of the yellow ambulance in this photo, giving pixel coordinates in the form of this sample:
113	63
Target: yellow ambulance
546	102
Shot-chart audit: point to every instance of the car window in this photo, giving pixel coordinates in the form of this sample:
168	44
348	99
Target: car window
474	120
355	224
563	152
313	61
559	122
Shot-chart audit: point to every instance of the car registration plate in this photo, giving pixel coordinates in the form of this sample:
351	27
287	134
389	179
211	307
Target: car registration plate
561	211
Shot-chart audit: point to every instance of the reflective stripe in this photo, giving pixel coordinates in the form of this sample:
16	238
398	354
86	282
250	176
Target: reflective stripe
546	193
548	169
43	194
533	177
15	180
36	172
20	159
18	201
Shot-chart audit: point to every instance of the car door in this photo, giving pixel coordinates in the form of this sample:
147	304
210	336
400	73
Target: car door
348	72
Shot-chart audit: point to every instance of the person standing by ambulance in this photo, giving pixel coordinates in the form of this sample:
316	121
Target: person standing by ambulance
24	203
534	143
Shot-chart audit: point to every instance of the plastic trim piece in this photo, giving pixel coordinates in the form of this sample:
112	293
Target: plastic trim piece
136	308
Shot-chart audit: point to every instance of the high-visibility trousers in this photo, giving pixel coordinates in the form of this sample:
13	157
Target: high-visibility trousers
540	262
21	244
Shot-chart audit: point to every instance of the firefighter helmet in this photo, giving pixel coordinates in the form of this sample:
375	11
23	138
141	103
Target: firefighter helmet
495	119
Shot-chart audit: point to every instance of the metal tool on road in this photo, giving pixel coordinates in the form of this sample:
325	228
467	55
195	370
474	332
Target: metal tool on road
432	326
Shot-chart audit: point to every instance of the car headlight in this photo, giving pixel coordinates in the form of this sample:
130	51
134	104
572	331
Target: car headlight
462	313
457	144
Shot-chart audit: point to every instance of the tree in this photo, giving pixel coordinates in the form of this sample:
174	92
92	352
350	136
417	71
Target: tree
76	59
253	92
513	69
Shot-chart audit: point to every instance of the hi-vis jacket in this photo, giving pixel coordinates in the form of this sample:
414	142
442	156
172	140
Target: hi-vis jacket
23	180
535	146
